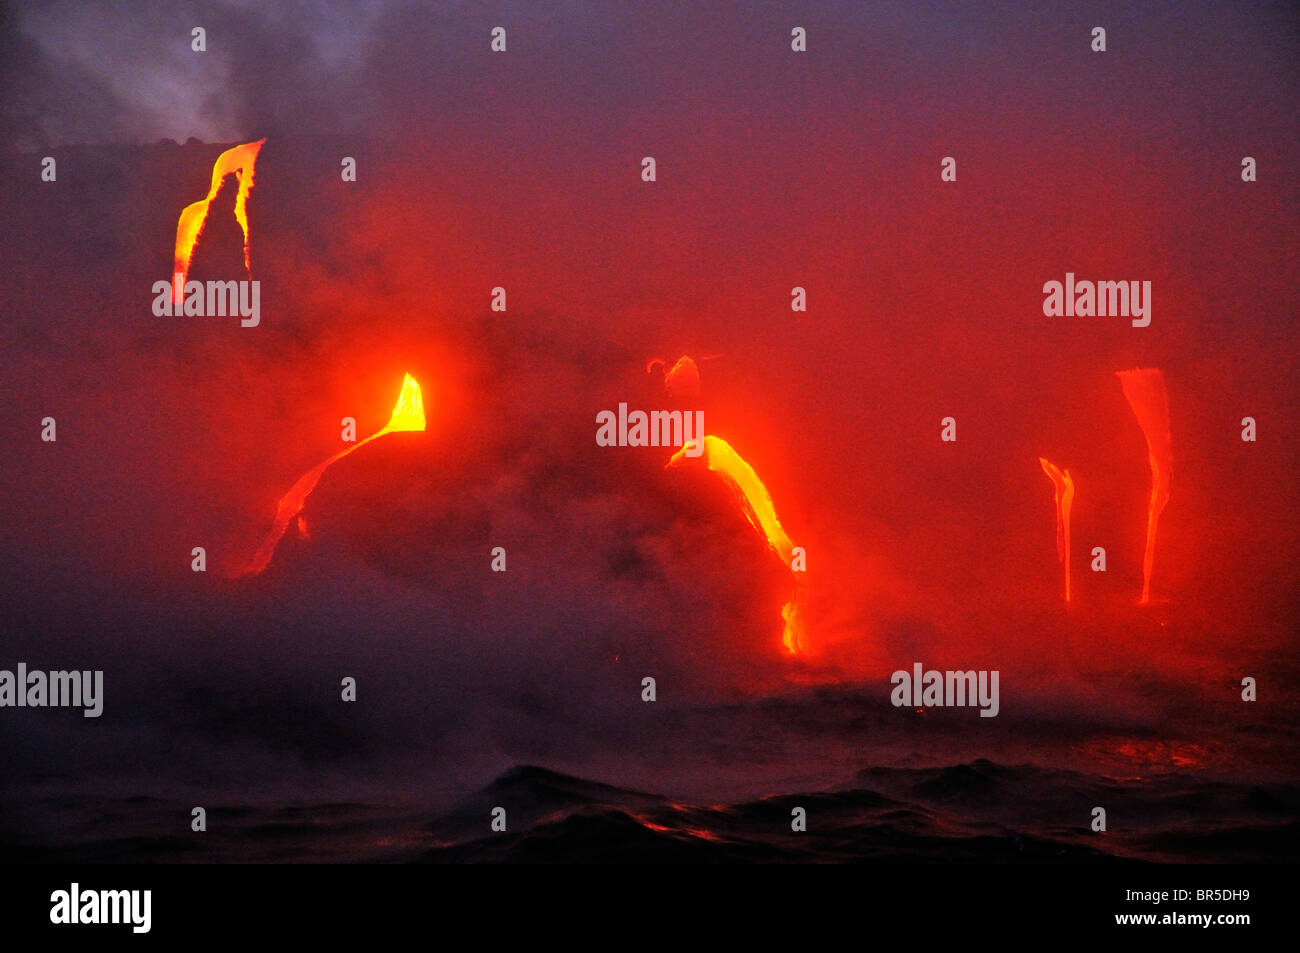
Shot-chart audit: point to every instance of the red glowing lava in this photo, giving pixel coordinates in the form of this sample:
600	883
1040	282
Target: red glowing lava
1145	390
682	380
407	415
1064	487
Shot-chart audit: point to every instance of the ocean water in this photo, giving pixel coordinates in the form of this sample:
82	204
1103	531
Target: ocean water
974	812
719	783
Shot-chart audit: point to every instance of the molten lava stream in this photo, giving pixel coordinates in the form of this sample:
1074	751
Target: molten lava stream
407	415
1145	390
239	162
756	503
1064	487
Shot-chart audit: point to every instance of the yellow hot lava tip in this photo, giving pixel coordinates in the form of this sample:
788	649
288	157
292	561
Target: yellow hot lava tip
409	412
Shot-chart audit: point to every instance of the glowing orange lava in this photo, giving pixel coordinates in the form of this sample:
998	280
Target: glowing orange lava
1064	497
756	503
238	162
1145	390
407	415
680	380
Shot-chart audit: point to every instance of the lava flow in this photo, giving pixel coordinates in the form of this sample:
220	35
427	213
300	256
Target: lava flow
1145	390
407	415
238	162
1064	486
756	503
